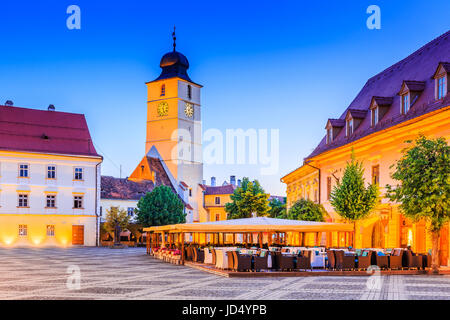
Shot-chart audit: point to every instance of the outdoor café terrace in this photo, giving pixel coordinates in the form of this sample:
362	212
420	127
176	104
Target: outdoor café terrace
268	246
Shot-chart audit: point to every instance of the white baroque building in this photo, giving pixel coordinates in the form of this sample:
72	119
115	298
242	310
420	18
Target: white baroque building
49	179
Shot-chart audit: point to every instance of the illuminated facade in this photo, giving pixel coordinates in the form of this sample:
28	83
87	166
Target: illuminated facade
49	179
409	98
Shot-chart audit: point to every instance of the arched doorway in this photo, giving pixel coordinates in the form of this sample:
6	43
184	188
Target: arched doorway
378	235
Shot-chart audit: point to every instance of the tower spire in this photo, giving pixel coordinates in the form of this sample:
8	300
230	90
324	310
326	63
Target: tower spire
174	37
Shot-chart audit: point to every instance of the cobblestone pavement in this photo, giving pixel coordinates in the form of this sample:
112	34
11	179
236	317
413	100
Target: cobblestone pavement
30	273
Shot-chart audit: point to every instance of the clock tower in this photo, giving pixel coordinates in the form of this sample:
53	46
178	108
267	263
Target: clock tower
174	122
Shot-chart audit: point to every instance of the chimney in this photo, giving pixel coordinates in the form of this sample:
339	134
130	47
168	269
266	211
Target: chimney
9	103
239	182
213	181
51	108
233	180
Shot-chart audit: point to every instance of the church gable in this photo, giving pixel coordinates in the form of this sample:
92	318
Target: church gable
151	169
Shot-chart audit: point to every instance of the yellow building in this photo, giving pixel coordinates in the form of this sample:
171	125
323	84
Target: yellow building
215	199
49	178
408	98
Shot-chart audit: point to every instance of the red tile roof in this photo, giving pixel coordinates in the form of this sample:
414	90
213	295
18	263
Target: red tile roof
416	68
124	189
42	131
227	189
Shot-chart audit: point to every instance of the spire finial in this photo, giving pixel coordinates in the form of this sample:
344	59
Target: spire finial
174	37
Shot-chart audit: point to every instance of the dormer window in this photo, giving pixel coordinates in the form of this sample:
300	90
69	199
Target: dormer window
374	116
163	90
329	135
409	94
441	80
379	106
349	127
333	127
405	103
441	87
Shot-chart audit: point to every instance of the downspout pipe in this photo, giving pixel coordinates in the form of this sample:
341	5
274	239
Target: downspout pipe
320	180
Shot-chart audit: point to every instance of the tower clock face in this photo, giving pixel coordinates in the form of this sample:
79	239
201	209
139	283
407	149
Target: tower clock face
163	109
189	110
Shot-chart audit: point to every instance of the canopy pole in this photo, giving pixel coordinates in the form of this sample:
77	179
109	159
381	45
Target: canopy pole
182	248
261	240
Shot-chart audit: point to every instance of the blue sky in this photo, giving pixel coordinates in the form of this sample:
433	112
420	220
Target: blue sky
287	65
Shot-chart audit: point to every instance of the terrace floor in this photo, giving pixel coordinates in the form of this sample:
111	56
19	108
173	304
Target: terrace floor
31	273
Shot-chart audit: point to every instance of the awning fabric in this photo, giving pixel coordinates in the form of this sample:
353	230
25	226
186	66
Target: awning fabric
260	224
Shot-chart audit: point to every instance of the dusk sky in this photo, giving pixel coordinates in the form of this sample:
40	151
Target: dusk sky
287	65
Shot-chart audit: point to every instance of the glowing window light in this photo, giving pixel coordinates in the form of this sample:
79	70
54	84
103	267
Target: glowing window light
410	237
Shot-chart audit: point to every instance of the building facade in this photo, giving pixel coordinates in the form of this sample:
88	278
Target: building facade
49	179
405	100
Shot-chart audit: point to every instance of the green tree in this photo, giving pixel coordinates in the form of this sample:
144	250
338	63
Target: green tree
307	210
116	221
250	197
350	198
136	230
424	192
160	207
277	209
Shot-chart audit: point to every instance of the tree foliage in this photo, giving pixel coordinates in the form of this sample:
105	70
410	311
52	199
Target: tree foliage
350	198
307	210
160	207
424	190
117	220
277	209
246	199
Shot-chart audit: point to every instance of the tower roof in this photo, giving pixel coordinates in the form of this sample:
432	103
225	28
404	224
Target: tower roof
174	64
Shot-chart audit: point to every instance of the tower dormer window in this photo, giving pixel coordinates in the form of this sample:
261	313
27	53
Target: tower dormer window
441	87
405	103
189	92
349	127
163	90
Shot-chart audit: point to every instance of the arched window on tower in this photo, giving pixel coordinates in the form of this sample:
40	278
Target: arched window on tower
163	90
189	92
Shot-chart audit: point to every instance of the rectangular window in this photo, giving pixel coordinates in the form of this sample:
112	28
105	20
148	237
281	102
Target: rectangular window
349	127
441	88
130	212
23	230
50	231
329	135
101	211
190	192
217	200
23	201
374	117
51	172
405	103
78	202
376	175
217	217
51	201
23	170
328	188
78	174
